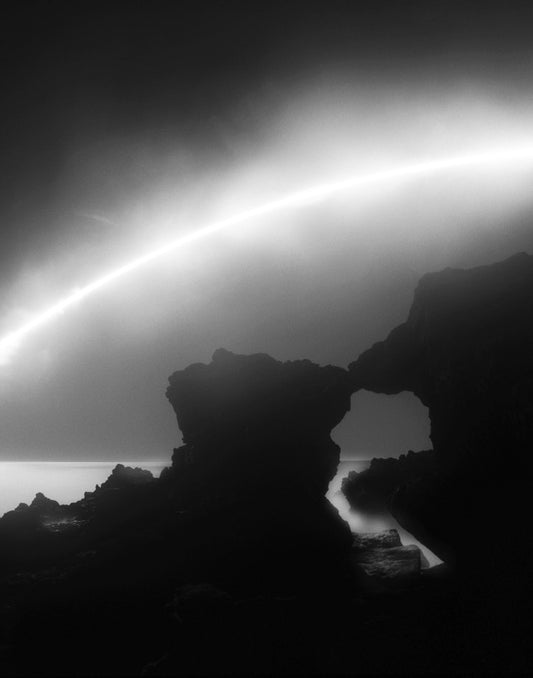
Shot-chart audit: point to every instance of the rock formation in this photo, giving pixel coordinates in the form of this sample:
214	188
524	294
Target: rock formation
371	490
233	562
258	458
366	541
126	476
242	508
466	352
382	556
395	562
270	419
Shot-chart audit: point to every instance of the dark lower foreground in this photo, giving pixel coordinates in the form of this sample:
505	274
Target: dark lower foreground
140	604
90	628
419	627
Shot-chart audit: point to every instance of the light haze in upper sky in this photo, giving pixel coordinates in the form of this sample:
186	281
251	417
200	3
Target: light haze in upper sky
119	156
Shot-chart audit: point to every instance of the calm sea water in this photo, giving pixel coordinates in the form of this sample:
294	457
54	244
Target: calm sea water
67	481
64	481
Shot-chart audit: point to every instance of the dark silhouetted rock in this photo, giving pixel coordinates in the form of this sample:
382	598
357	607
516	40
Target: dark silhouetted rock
126	476
243	506
382	555
43	505
272	419
198	601
371	490
257	459
465	351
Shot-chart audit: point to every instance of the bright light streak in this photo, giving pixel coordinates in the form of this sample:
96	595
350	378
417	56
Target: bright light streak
493	158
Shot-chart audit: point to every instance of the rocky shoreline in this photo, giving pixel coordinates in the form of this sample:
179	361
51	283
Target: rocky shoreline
233	562
382	555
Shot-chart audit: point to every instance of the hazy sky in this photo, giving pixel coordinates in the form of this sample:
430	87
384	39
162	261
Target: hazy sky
125	124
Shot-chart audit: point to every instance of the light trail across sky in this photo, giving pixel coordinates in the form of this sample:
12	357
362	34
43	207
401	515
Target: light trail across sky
494	158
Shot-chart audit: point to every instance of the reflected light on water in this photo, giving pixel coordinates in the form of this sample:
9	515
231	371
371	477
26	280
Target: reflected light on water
364	522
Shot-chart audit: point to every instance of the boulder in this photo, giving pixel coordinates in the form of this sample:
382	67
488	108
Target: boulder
365	541
389	563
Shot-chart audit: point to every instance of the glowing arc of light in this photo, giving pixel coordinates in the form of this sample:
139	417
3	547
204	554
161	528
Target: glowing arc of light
299	199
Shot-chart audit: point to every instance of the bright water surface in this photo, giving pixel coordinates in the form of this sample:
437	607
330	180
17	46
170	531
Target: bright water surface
363	522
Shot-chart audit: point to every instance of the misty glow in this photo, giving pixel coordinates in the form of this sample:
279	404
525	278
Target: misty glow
492	159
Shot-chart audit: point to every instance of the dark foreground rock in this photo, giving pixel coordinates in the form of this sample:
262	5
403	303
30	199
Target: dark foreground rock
126	476
371	490
466	352
382	555
390	563
271	420
257	460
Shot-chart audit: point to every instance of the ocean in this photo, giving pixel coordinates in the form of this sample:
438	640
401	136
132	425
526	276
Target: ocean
66	481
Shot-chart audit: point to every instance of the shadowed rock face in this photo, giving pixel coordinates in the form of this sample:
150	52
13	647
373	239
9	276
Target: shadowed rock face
125	476
259	420
258	457
466	352
371	490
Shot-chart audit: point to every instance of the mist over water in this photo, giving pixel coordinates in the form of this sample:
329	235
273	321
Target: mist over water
365	522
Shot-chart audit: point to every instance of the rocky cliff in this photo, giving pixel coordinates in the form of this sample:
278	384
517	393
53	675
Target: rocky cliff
258	458
233	562
260	421
466	352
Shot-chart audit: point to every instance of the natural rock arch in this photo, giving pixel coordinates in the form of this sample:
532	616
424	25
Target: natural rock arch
465	351
381	425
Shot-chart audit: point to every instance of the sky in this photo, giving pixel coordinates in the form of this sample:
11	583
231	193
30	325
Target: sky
125	125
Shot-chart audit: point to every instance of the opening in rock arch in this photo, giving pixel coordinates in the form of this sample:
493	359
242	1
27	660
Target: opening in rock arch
378	426
383	426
